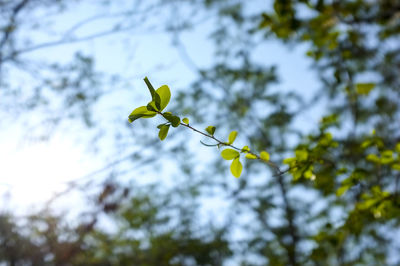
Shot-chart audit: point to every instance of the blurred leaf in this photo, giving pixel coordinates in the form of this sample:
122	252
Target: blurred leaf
245	149
364	88
373	158
397	147
250	156
301	155
264	156
342	190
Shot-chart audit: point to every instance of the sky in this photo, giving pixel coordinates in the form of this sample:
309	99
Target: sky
32	171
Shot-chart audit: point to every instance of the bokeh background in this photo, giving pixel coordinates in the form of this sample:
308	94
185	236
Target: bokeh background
82	186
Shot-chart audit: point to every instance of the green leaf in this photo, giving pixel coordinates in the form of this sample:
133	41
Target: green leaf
176	121
301	155
236	168
210	130
140	112
245	149
373	158
151	106
229	154
154	95
309	173
398	147
264	156
160	125
250	156
396	166
163	132
185	120
342	190
173	119
232	137
289	160
364	88
165	95
387	157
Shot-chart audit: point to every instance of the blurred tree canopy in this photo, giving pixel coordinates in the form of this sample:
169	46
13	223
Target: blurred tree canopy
339	202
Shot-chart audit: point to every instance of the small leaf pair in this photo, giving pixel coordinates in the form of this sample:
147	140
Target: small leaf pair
236	165
159	100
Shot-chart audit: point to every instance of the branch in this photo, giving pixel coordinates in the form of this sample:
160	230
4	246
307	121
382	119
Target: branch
273	165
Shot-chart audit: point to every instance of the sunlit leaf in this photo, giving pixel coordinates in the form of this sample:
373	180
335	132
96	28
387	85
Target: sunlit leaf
185	120
387	157
250	156
154	96
301	155
236	168
364	88
160	125
398	147
309	173
210	130
151	106
165	95
162	134
232	137
396	166
342	190
373	158
245	149
289	160
229	154
264	156
140	112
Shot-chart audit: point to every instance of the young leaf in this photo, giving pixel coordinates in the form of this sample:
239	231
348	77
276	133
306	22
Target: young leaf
340	191
151	106
301	155
250	156
163	132
396	166
229	154
397	147
165	95
154	95
140	112
232	137
160	125
210	130
364	88
173	119
236	167
185	120
245	149
264	156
